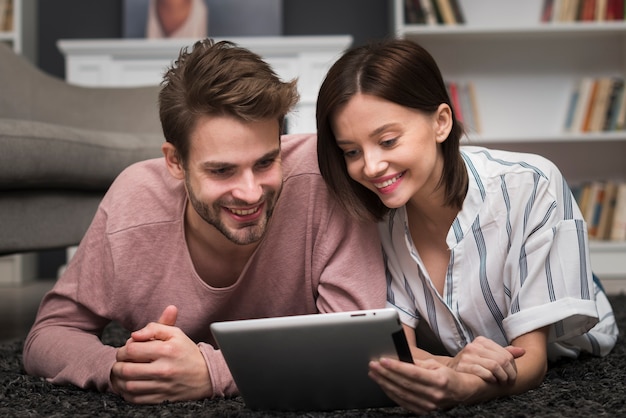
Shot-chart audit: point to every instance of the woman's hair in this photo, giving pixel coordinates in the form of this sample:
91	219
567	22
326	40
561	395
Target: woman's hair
220	79
399	71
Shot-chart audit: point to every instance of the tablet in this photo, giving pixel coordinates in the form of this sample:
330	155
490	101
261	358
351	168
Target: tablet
311	362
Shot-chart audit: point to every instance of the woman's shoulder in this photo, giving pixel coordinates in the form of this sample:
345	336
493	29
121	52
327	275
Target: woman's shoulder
496	163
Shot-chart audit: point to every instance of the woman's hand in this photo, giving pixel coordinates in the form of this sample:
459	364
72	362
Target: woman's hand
424	386
488	360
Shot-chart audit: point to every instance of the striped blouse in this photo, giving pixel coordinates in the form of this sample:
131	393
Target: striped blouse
519	261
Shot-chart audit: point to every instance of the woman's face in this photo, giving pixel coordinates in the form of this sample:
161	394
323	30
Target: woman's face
391	149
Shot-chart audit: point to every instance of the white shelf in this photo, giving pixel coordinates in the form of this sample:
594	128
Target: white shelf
524	72
134	62
537	30
14	37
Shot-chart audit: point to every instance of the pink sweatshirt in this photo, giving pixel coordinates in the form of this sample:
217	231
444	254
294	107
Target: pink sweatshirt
133	262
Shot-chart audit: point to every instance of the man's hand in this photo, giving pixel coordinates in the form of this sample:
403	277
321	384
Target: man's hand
488	360
160	363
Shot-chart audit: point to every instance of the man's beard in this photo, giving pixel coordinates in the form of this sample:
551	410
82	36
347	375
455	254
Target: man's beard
247	233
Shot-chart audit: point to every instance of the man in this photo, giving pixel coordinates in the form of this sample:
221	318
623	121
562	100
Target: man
233	223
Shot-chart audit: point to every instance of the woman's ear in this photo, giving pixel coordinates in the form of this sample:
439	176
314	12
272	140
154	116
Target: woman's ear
173	161
443	122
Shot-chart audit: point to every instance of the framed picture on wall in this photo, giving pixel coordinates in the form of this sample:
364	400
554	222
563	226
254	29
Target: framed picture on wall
201	18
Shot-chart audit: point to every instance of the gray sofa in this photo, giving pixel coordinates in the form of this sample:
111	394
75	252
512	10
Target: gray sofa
61	147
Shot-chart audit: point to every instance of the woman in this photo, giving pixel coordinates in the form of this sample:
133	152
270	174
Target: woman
486	251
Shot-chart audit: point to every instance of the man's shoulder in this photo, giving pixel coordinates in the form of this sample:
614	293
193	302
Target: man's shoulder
495	163
299	154
144	192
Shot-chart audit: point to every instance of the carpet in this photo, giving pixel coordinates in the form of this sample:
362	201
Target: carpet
572	388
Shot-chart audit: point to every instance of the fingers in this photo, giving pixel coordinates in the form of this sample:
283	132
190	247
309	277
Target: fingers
161	329
405	385
169	315
488	360
516	352
138	383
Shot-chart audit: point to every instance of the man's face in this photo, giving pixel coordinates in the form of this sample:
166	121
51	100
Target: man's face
233	175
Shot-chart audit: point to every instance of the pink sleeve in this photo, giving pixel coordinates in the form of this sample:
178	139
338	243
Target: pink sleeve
353	276
63	344
221	379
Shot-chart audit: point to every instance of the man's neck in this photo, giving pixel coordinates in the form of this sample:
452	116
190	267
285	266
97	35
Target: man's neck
217	260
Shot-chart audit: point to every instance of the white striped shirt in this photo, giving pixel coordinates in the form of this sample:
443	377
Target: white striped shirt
519	261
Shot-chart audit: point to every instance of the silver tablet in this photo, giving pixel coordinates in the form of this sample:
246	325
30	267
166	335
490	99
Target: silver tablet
311	362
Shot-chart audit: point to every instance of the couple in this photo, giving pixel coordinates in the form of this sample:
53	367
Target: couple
484	252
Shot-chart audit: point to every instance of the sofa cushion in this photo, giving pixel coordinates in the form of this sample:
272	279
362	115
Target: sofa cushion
38	155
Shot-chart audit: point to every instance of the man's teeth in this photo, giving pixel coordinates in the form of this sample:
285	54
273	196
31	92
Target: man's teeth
243	212
388	182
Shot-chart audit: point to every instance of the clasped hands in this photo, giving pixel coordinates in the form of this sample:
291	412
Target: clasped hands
428	385
160	363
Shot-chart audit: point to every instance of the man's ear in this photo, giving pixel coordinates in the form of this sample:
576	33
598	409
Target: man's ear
443	122
173	161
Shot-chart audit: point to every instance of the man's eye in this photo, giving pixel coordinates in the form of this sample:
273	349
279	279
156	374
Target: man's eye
266	163
220	171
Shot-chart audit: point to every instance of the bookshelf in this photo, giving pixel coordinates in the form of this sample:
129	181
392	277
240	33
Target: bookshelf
524	72
11	23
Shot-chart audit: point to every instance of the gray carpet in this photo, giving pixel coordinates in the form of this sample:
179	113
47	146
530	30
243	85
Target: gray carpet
585	387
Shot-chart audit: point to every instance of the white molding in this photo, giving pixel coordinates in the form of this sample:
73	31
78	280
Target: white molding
136	62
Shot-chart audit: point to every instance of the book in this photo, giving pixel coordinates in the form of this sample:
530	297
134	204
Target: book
459	16
4	6
447	14
588	11
620	117
456	101
568	11
466	106
546	11
410	13
600	104
618	227
586	122
600	12
471	89
430	16
614	99
413	12
615	10
437	11
571	107
584	197
593	208
606	218
584	87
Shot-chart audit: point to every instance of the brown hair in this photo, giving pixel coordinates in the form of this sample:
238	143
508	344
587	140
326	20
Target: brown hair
399	71
220	79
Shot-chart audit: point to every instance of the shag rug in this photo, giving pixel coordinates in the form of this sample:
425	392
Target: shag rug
586	387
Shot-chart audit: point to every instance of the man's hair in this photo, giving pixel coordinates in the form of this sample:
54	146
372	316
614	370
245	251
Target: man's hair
399	71
220	79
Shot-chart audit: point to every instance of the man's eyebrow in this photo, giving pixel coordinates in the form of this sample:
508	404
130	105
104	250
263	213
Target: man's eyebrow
222	164
270	155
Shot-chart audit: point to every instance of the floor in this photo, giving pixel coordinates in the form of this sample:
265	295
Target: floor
18	307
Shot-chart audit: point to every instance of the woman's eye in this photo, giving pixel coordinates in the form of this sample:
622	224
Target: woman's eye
389	142
350	154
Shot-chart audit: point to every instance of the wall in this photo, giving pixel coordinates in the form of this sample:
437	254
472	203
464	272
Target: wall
95	19
75	19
